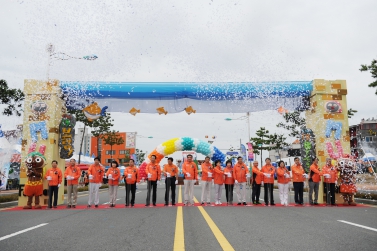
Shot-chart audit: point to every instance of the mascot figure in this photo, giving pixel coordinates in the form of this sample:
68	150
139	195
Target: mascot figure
35	162
347	169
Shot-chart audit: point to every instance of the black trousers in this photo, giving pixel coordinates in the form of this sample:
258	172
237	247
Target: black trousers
130	188
229	192
268	192
53	190
330	192
170	185
299	192
256	192
151	185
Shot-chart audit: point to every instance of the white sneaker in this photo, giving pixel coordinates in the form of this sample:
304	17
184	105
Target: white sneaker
220	203
216	202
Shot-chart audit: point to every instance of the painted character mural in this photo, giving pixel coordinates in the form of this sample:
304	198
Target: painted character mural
347	169
307	141
35	161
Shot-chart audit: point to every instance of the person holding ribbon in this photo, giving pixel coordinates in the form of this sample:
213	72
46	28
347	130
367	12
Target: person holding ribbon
171	174
153	171
240	174
131	177
314	179
96	173
268	180
219	181
113	175
256	183
190	171
229	182
330	173
207	176
298	178
283	182
72	174
54	177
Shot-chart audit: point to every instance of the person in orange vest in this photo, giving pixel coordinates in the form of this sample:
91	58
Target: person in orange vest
153	171
330	173
54	177
131	177
72	174
113	175
207	176
171	174
96	173
219	181
229	182
268	180
256	183
314	179
283	182
298	178
190	171
241	173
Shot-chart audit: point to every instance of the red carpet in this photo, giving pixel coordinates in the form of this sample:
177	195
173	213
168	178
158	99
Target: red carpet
122	206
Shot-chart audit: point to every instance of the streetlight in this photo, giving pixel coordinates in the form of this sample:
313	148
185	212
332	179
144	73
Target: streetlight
247	118
52	55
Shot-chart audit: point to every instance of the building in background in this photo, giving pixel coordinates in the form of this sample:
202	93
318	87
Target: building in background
363	137
86	145
293	150
120	153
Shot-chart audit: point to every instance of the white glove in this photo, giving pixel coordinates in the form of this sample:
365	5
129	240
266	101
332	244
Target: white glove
236	182
68	177
90	177
49	178
58	185
229	175
149	175
304	175
176	182
248	175
129	176
188	175
209	175
262	183
327	175
110	176
168	175
286	175
267	175
72	178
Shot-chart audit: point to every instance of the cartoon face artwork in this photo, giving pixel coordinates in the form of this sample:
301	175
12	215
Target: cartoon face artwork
35	160
39	107
333	107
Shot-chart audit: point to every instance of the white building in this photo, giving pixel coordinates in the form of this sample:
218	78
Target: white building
293	150
86	143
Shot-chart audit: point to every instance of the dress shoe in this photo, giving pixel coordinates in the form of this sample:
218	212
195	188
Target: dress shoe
73	206
88	206
272	204
154	204
239	203
69	206
96	206
244	203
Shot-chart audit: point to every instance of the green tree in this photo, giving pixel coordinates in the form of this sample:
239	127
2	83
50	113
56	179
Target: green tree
372	68
294	123
100	127
102	123
12	98
112	138
140	156
277	142
351	112
261	142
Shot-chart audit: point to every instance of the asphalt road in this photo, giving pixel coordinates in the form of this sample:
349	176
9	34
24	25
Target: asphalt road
203	228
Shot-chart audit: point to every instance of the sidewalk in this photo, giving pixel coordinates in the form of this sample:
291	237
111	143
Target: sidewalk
7	192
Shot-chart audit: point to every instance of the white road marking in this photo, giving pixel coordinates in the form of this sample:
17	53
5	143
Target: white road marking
22	231
357	225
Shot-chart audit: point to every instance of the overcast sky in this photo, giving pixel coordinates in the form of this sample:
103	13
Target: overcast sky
203	40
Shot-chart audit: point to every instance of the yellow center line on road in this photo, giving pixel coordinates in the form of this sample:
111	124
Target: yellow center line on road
224	243
179	237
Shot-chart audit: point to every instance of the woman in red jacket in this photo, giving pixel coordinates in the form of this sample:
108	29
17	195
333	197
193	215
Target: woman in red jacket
229	182
113	175
219	181
283	182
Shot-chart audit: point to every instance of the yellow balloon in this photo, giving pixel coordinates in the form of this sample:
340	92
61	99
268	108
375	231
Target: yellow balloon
169	146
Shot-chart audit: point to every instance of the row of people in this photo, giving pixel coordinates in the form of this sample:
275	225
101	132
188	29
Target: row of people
231	177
